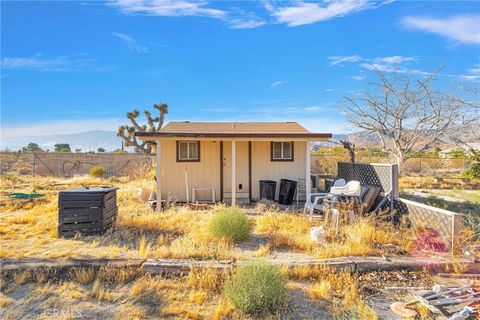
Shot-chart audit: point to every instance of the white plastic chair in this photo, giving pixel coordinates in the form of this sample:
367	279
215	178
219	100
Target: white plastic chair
352	188
316	205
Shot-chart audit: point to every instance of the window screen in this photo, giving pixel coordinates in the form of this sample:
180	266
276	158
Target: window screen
188	151
282	151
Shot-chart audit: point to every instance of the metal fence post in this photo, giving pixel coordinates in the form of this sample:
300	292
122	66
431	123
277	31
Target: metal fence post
33	164
111	164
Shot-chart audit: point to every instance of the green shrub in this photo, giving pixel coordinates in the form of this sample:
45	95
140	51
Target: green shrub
113	179
473	172
231	224
257	287
96	171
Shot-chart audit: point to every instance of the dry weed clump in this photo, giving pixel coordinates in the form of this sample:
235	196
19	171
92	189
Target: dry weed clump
122	275
210	280
366	236
285	230
340	288
5	301
83	275
143	248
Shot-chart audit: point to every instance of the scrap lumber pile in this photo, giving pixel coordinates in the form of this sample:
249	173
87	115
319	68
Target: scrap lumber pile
454	297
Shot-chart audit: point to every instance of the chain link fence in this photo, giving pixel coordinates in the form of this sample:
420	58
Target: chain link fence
66	164
327	164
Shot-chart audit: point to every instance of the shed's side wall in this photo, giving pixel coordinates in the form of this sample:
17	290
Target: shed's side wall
203	174
265	169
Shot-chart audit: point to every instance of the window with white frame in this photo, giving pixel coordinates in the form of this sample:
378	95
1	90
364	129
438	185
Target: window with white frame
188	151
282	151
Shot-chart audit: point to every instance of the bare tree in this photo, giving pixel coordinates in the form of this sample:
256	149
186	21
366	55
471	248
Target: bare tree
406	114
467	136
127	133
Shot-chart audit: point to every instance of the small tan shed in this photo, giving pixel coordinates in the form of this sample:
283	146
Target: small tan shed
210	159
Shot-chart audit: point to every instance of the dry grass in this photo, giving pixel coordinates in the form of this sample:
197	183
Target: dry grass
30	229
285	230
357	239
130	294
175	233
429	182
5	301
83	275
365	237
210	280
117	294
339	288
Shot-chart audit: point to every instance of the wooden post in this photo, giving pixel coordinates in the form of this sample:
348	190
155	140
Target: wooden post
308	180
159	177
234	173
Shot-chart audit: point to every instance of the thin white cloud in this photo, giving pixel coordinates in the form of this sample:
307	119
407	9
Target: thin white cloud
60	126
168	8
239	18
330	90
358	77
393	59
383	64
334	60
460	28
130	42
277	83
245	23
235	18
313	109
38	63
473	74
383	67
301	13
474	70
470	77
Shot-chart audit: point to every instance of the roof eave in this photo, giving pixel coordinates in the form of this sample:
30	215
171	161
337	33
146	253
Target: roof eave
308	136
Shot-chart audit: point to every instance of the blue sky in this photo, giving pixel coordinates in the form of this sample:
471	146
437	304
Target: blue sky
76	66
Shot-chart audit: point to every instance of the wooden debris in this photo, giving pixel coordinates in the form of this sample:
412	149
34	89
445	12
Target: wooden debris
402	310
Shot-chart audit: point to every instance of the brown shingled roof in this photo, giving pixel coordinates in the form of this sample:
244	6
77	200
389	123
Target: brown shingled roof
234	130
234	127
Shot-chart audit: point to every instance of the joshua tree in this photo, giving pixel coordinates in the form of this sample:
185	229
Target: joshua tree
127	133
350	148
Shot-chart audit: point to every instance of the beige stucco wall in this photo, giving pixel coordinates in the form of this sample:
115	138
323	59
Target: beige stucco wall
206	173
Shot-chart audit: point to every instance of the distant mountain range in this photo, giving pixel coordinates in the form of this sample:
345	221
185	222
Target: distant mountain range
86	141
108	140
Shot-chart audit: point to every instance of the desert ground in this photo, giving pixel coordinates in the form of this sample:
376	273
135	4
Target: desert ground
29	231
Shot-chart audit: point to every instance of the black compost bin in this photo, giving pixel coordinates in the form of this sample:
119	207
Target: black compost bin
287	191
88	210
267	189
